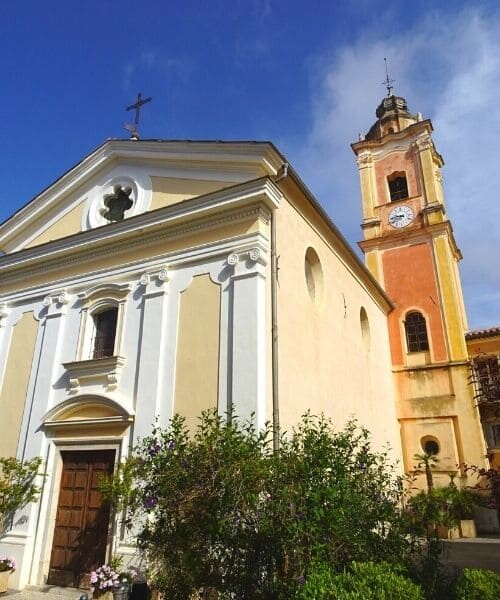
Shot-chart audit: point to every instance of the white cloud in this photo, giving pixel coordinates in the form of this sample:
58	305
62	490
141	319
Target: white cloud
150	60
447	67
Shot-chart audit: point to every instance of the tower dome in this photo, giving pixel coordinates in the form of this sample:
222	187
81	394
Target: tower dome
392	116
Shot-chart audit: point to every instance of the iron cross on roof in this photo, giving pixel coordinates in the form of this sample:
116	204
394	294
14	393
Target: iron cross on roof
134	129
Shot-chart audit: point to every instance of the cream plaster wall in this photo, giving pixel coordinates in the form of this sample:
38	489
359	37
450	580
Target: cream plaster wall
197	363
324	363
169	190
15	383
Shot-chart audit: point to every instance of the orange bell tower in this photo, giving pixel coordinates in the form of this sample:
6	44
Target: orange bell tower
410	248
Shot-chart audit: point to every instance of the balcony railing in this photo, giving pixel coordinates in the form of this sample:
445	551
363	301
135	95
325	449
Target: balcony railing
485	375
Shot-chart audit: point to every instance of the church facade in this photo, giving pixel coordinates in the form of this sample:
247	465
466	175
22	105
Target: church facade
160	277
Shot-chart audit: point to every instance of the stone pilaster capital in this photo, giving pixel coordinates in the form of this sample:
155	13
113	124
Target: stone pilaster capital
154	281
247	262
4	313
57	303
364	159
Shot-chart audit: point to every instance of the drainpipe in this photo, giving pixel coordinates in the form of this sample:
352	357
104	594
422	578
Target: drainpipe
274	320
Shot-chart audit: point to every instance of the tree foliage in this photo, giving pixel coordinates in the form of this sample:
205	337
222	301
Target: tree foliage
17	486
218	510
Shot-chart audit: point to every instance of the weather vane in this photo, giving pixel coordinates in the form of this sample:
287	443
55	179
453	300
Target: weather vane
388	81
134	129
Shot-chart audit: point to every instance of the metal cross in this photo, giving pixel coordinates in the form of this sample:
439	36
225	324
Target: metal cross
388	82
137	107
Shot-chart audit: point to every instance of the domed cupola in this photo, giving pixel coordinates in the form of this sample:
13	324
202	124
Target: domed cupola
392	116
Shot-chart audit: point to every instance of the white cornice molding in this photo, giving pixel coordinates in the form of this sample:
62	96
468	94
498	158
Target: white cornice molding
120	409
251	154
191	215
105	290
134	269
101	370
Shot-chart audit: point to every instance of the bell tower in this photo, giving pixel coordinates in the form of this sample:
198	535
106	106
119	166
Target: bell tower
410	248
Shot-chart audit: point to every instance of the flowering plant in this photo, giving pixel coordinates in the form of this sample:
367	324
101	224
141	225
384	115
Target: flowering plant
7	564
103	579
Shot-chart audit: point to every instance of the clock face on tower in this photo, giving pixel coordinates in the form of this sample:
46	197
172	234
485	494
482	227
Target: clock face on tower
401	216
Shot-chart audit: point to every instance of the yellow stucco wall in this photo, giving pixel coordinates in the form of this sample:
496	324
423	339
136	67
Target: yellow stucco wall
169	190
449	297
367	184
68	224
15	383
197	363
439	403
166	191
325	363
428	175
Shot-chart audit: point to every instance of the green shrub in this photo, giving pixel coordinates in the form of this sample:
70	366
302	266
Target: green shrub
218	509
478	584
369	581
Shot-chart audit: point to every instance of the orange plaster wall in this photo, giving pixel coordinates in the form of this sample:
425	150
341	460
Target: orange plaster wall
411	282
484	346
401	161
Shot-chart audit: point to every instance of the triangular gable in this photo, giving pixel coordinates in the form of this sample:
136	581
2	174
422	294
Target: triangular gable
151	173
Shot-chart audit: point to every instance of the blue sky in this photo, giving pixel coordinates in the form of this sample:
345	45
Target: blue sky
305	75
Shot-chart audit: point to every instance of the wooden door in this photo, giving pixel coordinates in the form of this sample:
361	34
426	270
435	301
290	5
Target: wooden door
82	520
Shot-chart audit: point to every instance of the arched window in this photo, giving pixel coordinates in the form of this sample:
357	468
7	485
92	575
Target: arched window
104	332
398	186
365	327
416	332
314	275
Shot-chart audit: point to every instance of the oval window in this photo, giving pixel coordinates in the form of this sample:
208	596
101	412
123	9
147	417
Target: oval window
430	445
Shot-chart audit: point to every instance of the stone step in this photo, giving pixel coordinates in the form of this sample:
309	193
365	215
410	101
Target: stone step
47	592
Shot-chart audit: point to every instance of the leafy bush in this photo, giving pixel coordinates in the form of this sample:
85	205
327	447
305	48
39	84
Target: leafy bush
17	487
463	502
478	584
444	506
218	510
369	581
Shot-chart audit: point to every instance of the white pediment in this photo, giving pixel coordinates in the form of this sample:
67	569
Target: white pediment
150	174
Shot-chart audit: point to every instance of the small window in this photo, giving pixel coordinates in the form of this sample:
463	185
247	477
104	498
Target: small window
416	332
398	187
104	333
430	445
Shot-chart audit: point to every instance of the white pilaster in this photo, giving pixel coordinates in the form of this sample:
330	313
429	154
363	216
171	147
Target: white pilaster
32	441
151	371
248	378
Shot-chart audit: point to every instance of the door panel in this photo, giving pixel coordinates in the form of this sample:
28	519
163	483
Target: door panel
82	520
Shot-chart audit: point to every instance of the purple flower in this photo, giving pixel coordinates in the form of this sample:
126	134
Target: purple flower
301	579
170	444
150	502
154	449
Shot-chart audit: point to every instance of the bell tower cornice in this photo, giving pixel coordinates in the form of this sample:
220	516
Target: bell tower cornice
419	132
